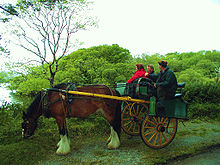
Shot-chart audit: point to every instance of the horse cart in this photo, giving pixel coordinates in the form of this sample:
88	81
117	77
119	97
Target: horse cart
130	106
139	112
157	127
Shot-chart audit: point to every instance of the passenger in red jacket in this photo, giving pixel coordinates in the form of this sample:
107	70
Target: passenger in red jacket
139	73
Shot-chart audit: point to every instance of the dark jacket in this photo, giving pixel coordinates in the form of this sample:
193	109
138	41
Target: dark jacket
153	76
166	84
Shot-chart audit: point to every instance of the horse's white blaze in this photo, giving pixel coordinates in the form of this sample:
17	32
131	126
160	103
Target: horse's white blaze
64	145
115	142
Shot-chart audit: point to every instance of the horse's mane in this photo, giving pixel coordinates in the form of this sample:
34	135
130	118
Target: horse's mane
34	105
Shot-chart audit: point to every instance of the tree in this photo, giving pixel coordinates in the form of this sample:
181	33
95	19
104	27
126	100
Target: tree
46	30
95	65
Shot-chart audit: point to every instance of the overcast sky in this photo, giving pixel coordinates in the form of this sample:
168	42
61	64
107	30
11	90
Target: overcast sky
154	26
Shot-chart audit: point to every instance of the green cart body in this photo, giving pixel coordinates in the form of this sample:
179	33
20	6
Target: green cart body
142	119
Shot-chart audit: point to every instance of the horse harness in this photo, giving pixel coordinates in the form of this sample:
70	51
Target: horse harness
65	98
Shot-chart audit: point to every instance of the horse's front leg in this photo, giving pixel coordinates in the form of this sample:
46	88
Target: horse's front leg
113	140
64	143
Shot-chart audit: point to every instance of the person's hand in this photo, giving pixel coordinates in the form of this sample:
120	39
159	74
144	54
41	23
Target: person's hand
146	74
155	85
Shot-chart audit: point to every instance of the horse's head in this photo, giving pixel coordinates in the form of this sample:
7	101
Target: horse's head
28	126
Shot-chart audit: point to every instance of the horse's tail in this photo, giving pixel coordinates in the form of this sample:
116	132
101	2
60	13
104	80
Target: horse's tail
117	119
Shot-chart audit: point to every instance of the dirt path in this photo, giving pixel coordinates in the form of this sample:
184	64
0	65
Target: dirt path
191	139
209	157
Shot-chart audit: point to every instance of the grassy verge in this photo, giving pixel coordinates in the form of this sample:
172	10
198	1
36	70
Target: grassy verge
88	143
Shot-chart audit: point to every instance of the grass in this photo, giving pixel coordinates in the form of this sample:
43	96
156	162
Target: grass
88	142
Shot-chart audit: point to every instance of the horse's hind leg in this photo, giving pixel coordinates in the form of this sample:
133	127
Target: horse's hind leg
64	143
115	122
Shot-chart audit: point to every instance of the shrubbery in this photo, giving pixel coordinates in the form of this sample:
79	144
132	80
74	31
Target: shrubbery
210	110
203	99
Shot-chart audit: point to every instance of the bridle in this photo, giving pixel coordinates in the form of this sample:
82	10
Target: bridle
26	125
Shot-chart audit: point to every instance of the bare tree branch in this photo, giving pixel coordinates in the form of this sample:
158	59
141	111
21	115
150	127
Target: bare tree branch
52	27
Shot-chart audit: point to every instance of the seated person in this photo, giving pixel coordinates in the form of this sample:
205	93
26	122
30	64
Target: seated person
150	73
138	74
165	85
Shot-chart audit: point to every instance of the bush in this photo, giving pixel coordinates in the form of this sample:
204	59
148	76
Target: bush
210	110
202	92
203	99
9	112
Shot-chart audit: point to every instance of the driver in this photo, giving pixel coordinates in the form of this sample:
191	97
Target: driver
166	83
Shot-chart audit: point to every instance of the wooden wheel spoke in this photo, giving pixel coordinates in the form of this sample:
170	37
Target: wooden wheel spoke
132	116
126	119
127	114
165	120
161	120
158	119
155	140
152	123
152	136
134	127
149	132
155	119
141	110
130	127
164	136
149	127
127	123
137	110
160	139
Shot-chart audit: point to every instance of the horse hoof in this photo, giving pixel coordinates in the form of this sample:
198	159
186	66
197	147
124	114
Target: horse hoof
113	147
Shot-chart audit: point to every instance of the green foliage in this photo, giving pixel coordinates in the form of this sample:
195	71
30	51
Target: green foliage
4	78
203	110
203	99
202	92
192	75
30	83
95	65
9	112
32	86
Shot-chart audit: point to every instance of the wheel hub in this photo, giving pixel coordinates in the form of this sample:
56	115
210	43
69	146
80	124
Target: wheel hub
160	128
135	119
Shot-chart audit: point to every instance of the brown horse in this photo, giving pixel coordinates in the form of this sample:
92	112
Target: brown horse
59	105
